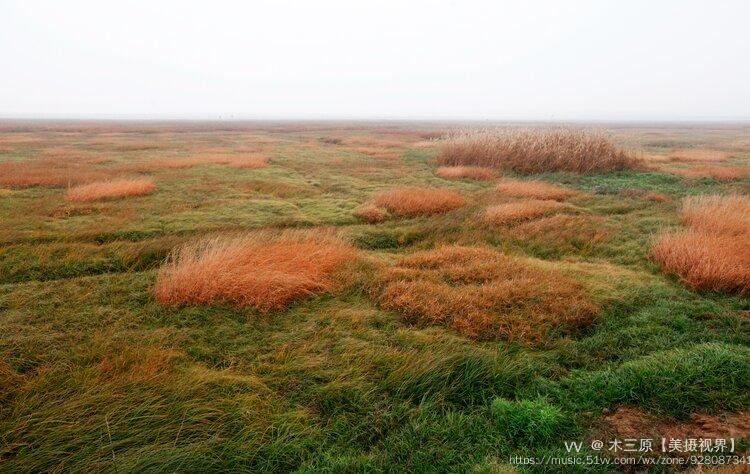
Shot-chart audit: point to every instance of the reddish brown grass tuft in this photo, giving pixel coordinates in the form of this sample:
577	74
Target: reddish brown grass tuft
697	154
47	172
722	173
534	150
729	215
510	212
705	261
564	230
535	189
470	172
111	189
370	213
483	294
416	201
255	270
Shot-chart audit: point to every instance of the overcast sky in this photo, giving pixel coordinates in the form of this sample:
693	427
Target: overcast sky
537	60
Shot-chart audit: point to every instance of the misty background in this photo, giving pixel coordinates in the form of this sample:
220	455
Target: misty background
450	60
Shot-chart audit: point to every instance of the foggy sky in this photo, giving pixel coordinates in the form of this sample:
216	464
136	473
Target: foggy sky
282	59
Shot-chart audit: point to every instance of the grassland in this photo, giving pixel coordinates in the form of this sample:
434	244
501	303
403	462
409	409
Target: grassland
375	373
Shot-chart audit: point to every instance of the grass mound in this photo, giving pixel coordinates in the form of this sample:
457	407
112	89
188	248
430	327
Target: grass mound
534	150
471	172
484	294
527	421
369	212
47	172
564	230
507	213
714	252
416	201
111	189
255	270
728	215
535	189
705	261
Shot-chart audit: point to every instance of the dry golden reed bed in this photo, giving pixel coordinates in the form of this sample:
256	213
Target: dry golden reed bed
111	189
534	150
483	294
256	269
417	201
713	253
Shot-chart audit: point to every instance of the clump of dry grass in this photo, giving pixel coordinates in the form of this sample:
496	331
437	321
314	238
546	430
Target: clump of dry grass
47	172
111	189
483	294
697	154
645	194
253	270
563	229
511	212
471	172
5	192
248	162
417	201
714	252
534	150
535	189
722	173
729	215
370	213
705	261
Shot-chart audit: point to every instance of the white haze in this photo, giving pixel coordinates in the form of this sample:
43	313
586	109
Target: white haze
276	59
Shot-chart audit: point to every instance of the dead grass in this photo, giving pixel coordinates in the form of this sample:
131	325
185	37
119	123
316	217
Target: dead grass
535	189
111	189
534	150
416	201
47	172
370	213
728	215
5	192
697	154
470	172
253	270
483	294
564	229
507	213
248	162
705	261
722	173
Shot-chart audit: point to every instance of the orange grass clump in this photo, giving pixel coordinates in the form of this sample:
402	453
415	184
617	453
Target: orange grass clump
534	150
416	201
705	261
564	230
46	172
253	270
714	252
535	189
248	162
483	294
471	172
729	215
697	154
370	213
722	173
111	189
510	212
